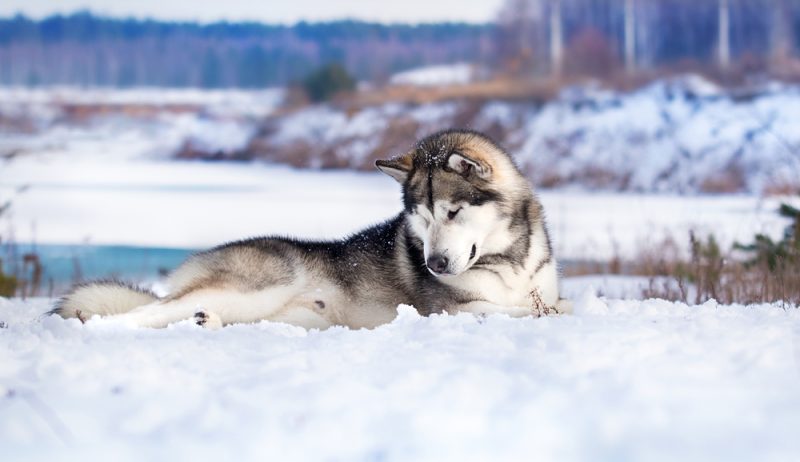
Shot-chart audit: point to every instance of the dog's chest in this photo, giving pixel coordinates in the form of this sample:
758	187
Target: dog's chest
511	284
499	284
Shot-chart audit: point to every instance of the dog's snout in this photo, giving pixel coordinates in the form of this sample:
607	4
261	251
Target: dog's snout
437	263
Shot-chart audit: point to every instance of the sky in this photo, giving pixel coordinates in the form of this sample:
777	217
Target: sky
275	11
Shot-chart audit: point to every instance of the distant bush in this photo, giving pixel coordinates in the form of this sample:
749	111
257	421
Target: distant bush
8	284
28	281
327	81
778	256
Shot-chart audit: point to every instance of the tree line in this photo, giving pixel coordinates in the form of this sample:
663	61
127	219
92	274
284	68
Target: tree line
597	36
84	49
527	38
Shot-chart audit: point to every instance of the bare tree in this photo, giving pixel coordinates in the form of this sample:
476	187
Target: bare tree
556	38
521	27
781	32
630	35
724	36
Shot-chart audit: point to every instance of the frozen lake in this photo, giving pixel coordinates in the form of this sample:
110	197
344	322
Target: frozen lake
64	265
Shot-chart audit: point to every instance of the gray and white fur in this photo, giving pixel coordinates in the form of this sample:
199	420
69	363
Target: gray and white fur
471	238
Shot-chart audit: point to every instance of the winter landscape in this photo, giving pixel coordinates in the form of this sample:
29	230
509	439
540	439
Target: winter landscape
669	200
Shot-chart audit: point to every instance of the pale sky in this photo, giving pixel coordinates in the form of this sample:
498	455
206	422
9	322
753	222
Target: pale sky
283	11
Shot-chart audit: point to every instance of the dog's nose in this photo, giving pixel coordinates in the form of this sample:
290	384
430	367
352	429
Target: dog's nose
437	263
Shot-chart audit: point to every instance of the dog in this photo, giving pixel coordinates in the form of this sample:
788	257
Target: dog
471	238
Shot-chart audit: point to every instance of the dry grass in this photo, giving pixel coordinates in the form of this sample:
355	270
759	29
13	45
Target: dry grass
709	272
25	275
782	188
725	276
497	89
732	179
80	112
544	88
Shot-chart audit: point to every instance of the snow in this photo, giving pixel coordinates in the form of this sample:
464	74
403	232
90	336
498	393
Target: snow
681	135
109	196
669	136
607	285
620	380
675	136
445	74
217	102
134	123
106	197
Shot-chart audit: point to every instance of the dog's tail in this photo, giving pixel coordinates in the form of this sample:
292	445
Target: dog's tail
102	298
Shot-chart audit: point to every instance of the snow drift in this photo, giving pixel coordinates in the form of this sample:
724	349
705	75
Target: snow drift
681	136
620	380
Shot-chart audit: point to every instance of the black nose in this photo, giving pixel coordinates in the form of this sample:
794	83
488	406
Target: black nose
437	263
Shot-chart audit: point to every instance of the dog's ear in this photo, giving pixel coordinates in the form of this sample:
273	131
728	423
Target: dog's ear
463	165
396	168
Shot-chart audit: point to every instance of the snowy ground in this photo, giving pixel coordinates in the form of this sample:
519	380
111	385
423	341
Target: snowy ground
620	380
231	103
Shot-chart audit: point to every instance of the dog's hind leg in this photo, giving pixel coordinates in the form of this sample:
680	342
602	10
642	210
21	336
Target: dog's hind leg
160	314
217	307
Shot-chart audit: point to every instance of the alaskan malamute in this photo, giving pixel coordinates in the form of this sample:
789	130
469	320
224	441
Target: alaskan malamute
471	237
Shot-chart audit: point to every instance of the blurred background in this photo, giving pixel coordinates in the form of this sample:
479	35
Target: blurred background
662	135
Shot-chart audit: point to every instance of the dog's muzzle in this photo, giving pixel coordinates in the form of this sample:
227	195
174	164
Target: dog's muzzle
437	264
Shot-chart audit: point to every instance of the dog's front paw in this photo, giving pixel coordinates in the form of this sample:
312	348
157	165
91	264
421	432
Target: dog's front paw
564	306
207	319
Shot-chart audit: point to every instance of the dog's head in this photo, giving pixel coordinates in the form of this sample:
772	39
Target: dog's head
458	191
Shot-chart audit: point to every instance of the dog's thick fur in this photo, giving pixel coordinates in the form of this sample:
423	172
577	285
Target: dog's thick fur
471	237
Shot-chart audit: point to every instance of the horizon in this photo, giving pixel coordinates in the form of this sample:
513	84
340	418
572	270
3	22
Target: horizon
240	11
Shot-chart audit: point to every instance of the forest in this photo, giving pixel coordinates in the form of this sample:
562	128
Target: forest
83	49
527	37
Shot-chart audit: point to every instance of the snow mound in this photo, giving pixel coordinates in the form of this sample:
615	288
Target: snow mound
677	135
681	135
131	123
622	380
445	74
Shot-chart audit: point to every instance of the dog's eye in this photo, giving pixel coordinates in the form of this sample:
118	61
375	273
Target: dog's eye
452	213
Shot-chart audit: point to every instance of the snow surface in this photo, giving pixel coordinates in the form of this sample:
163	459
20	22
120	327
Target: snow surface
217	102
620	380
669	136
148	122
682	135
109	196
444	74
